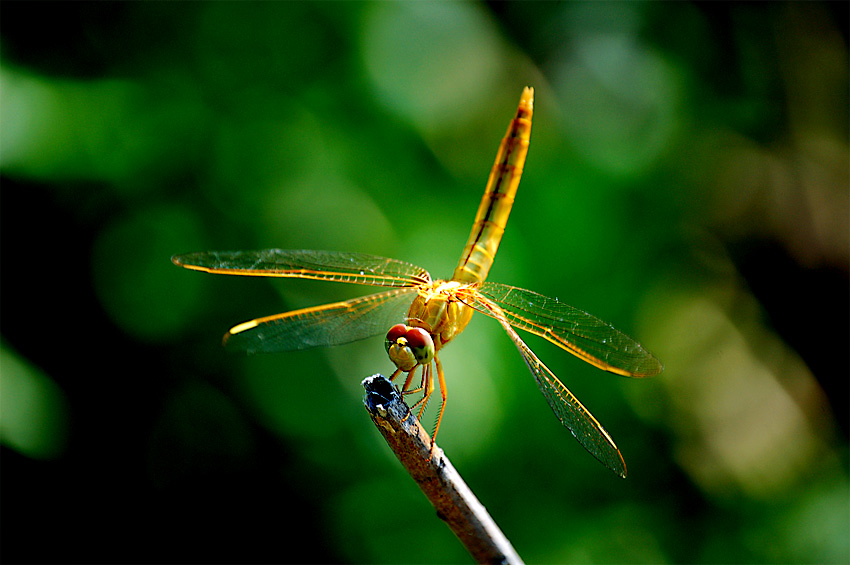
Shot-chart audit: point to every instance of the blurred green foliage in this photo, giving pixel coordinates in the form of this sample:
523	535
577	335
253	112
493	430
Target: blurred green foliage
687	181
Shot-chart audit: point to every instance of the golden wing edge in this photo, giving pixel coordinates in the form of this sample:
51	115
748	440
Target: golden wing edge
421	275
645	363
614	462
332	310
587	357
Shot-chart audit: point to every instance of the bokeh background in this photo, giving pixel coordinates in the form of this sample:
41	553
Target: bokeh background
687	181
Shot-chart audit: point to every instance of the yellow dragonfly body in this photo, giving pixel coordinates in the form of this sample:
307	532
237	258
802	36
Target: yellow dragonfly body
438	310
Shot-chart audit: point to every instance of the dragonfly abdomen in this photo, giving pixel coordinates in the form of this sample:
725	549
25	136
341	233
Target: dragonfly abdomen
495	207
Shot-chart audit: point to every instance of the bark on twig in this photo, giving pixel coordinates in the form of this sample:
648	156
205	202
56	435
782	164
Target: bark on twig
435	475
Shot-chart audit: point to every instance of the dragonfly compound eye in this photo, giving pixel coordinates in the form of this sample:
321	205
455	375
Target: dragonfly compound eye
398	350
421	344
395	332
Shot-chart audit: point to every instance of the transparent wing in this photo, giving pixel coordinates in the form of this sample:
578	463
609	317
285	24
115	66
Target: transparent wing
572	414
583	335
329	324
337	266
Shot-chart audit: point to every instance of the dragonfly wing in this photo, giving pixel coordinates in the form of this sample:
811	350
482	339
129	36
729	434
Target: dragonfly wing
583	335
329	324
337	266
572	413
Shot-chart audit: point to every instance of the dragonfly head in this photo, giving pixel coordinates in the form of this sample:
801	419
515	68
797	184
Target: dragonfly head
408	346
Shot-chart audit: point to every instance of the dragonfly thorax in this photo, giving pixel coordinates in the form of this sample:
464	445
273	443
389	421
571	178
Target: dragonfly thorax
439	311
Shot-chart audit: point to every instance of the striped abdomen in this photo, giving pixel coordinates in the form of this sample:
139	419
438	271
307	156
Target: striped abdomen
480	250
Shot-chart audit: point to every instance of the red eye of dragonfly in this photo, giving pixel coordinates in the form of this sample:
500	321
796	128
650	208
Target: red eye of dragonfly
396	332
417	338
421	345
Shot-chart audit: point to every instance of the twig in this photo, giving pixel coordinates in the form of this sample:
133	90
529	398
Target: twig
435	475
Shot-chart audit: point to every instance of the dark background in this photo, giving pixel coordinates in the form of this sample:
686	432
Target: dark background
687	181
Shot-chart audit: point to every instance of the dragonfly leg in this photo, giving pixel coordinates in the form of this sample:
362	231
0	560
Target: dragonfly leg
406	389
427	386
444	395
407	381
395	375
429	389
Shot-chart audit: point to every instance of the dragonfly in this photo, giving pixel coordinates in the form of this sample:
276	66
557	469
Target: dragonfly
421	315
